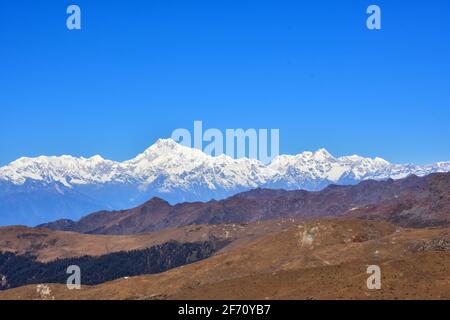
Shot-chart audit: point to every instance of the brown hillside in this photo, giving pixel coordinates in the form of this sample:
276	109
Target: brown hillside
48	245
321	259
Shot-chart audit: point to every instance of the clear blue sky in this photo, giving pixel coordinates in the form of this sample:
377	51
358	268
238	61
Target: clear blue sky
139	69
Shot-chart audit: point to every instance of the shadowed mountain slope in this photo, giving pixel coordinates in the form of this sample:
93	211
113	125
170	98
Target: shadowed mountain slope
47	245
413	201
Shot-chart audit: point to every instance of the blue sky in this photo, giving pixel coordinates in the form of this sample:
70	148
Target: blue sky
139	69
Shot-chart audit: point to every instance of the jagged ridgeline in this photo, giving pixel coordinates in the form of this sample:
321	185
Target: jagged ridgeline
37	190
16	271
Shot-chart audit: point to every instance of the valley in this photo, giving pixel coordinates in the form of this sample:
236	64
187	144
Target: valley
320	259
261	244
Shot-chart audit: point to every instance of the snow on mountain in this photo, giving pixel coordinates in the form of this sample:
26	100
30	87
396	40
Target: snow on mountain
173	172
67	170
181	167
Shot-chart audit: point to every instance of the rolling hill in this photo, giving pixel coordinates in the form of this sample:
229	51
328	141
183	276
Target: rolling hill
318	259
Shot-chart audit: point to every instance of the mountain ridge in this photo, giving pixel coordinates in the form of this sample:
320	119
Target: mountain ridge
410	202
70	170
36	190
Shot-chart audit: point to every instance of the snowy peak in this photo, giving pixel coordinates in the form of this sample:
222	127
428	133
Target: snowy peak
322	154
167	150
169	166
35	190
163	146
64	169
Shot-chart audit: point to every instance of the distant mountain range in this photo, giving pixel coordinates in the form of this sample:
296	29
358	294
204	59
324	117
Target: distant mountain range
409	202
36	190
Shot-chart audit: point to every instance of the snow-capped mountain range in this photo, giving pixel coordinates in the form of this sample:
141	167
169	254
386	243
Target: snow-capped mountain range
35	190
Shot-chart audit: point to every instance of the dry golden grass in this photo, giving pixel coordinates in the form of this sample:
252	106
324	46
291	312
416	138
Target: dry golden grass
320	259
